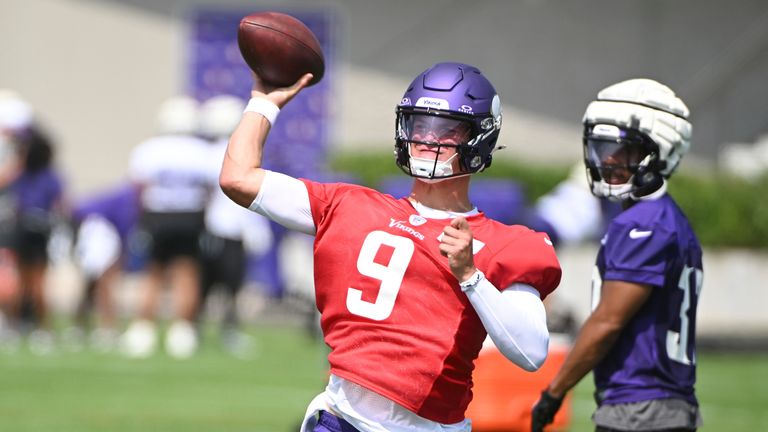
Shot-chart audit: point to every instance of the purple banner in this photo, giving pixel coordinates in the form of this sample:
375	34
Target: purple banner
297	144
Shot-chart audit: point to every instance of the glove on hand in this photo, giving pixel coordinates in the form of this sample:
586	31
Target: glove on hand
544	411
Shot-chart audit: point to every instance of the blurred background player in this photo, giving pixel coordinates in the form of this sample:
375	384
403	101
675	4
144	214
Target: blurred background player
104	224
15	115
231	232
36	199
407	288
570	213
640	338
173	173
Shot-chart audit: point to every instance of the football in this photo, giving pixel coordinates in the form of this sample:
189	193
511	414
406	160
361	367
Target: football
279	48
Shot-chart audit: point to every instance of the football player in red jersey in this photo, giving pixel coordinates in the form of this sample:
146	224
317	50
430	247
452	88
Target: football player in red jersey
407	288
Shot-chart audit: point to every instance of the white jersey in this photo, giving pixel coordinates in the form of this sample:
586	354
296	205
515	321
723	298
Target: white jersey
174	171
223	217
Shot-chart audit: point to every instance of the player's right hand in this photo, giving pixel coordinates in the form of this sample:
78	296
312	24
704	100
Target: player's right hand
456	245
278	95
544	411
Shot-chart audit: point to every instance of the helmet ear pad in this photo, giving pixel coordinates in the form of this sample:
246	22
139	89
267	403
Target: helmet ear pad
488	162
473	157
647	180
402	155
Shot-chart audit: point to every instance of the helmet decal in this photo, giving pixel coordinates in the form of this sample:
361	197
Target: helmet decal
436	103
496	108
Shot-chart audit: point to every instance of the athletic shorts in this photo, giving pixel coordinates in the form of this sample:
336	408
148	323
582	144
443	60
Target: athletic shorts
223	262
172	235
650	415
32	232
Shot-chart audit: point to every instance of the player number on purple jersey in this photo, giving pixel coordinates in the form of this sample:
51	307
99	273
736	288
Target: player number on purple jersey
677	343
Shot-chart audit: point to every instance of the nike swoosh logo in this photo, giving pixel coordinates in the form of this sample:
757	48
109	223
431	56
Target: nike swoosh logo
636	234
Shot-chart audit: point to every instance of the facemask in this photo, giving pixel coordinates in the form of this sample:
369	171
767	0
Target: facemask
428	169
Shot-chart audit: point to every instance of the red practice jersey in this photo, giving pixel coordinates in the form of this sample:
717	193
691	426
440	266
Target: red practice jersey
392	312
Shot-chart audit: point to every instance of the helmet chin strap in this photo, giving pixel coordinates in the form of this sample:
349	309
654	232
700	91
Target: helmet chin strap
430	181
653	195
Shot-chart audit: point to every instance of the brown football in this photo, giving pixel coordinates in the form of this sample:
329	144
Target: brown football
279	48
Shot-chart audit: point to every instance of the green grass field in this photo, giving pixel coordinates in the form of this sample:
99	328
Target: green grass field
85	391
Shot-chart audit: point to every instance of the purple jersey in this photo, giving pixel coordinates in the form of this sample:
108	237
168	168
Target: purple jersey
37	191
654	357
120	206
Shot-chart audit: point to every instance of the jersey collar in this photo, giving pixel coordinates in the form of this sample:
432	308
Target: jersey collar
431	213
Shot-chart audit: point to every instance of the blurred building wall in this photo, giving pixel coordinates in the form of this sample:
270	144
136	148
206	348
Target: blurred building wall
96	72
97	69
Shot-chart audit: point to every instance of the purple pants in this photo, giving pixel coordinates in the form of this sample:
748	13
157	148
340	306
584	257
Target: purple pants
328	422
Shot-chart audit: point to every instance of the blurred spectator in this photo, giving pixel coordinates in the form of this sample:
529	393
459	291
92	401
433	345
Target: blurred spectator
747	161
173	172
104	224
231	231
570	214
15	116
35	194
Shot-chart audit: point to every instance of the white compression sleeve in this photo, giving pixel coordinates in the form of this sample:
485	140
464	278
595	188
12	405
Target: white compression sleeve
285	200
515	320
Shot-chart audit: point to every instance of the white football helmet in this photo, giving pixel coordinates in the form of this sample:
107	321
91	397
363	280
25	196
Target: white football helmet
15	113
220	115
646	123
178	115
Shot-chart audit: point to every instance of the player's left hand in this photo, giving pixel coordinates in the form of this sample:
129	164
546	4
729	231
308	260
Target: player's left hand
456	245
544	411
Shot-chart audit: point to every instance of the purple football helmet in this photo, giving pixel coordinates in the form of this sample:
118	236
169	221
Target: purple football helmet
451	100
